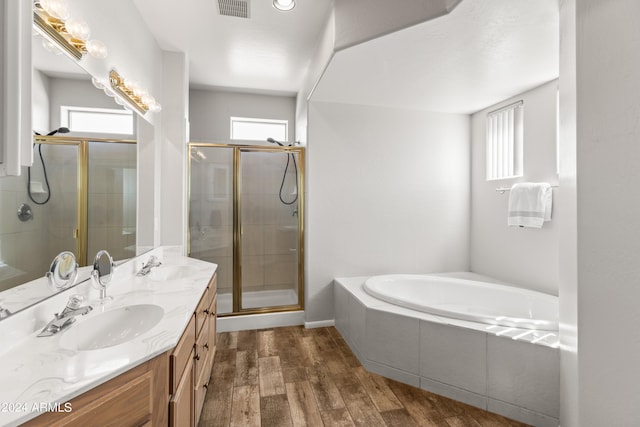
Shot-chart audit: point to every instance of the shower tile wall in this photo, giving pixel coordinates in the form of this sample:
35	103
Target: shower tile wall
112	200
269	239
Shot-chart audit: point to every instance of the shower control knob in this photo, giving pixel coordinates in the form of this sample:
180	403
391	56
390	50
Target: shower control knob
24	212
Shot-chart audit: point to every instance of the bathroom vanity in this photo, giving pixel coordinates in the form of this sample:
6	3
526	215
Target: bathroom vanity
142	357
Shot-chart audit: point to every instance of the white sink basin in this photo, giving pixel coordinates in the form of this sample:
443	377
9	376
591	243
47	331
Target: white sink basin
173	272
112	327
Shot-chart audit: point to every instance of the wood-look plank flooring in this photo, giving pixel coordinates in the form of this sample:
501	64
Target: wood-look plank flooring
309	377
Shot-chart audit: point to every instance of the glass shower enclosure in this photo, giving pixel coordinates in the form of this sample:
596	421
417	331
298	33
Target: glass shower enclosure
245	214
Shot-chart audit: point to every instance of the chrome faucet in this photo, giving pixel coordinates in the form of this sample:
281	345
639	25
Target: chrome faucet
67	317
146	268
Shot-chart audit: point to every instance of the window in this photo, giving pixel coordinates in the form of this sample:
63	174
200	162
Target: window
259	129
504	142
97	120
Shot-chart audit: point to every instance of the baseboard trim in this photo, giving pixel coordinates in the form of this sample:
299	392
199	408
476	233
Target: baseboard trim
260	321
319	324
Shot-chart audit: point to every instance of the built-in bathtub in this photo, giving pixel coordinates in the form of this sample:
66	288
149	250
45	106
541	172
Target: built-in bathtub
454	346
464	299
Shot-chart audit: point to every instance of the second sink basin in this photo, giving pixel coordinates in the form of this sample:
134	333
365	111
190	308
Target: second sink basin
112	327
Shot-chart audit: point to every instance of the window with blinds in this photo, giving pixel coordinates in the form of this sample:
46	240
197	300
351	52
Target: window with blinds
504	142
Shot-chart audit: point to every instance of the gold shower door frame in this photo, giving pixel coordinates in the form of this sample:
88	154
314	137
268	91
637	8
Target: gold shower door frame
81	233
237	224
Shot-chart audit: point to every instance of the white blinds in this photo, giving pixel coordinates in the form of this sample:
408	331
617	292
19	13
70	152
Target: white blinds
504	142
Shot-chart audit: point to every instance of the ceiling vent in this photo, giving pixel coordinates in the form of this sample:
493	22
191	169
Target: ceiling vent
236	8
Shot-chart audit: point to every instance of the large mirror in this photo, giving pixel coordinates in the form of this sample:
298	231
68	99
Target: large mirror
80	195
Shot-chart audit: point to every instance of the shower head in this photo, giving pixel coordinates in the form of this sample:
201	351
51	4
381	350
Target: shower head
59	130
273	141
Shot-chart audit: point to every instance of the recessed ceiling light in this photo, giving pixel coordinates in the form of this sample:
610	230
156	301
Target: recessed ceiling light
284	4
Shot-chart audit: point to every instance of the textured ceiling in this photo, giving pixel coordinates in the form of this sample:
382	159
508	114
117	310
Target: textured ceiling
483	52
269	51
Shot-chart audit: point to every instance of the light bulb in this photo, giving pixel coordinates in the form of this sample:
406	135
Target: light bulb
97	83
77	28
51	47
132	85
56	8
97	49
155	107
139	91
148	100
284	4
108	92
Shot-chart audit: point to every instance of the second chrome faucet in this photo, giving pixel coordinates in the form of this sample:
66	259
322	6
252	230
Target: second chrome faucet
146	268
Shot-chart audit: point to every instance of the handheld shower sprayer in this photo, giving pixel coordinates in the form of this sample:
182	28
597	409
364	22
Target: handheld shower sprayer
290	156
59	130
273	141
44	168
53	132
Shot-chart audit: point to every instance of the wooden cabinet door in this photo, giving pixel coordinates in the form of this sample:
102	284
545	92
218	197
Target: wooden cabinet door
181	403
182	354
137	397
212	335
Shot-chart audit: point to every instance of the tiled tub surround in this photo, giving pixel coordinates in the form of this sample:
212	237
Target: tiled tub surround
509	371
42	371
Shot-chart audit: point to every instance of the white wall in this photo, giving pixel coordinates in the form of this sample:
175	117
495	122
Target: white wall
174	149
522	256
210	111
388	192
76	93
319	62
40	108
608	203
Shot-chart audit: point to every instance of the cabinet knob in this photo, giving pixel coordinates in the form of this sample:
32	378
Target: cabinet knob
206	311
197	357
206	346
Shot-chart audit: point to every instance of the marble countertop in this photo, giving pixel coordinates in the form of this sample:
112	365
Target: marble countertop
37	372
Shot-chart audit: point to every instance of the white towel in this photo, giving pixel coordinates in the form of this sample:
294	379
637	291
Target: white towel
529	204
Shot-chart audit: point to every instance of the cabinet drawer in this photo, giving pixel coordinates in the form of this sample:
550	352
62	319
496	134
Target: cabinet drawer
200	390
182	354
181	403
202	311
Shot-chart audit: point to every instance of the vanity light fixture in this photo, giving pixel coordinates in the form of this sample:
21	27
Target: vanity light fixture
133	94
71	35
284	5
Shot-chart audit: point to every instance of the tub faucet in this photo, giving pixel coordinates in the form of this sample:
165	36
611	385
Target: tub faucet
146	268
63	320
